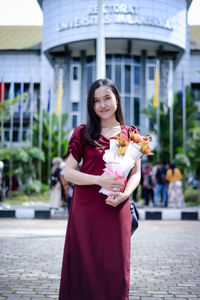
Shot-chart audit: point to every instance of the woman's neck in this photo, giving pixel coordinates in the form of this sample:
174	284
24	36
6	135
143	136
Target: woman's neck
109	123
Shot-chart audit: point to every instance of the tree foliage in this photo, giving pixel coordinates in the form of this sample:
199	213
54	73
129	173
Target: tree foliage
54	131
5	106
24	165
191	117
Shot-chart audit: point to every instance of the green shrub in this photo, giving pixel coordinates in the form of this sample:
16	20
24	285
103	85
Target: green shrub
32	187
45	188
192	197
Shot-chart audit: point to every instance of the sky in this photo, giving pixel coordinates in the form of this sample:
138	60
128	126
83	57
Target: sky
28	12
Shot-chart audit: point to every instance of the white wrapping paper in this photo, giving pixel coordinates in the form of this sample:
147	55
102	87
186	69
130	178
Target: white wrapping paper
120	164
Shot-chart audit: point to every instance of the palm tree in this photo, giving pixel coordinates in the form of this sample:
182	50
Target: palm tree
45	138
191	116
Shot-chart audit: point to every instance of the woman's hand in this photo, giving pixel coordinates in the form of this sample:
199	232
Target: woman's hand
115	198
111	183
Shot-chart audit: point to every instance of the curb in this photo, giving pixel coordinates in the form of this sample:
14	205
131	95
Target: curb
192	214
170	214
24	213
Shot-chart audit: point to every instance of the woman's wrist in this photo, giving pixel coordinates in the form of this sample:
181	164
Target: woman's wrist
126	195
97	179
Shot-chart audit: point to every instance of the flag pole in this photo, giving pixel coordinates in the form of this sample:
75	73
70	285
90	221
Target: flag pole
156	103
40	140
49	109
59	109
171	107
31	95
11	96
2	99
100	43
21	113
184	110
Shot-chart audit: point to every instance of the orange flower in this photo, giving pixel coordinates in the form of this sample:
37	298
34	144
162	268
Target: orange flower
135	138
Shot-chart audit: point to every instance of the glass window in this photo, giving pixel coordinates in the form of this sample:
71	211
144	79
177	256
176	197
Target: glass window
24	135
89	76
74	121
15	135
75	73
74	106
7	135
94	72
151	60
196	91
17	89
127	59
136	111
75	59
118	77
108	58
127	79
127	110
151	72
117	57
90	59
7	89
136	59
136	75
108	71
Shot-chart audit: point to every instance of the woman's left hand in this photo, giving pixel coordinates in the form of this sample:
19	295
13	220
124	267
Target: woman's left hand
115	198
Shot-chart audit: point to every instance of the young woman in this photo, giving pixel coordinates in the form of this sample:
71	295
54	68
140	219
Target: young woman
96	261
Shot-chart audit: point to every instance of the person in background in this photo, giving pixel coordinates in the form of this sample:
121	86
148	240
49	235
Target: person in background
64	185
56	195
161	185
175	193
147	184
70	194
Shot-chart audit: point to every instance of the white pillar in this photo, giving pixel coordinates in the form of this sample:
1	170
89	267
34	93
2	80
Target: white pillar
171	107
100	55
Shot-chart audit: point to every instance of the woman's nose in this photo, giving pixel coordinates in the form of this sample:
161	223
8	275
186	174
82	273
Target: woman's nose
102	104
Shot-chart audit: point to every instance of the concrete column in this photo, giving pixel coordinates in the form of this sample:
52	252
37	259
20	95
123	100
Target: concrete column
143	101
66	87
83	92
100	55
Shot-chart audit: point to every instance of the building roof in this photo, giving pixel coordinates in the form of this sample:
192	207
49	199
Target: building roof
30	37
195	37
20	37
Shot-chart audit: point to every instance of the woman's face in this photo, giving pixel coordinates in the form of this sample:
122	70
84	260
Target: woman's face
105	103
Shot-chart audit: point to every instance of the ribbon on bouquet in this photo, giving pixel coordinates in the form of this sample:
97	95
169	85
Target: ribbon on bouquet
115	173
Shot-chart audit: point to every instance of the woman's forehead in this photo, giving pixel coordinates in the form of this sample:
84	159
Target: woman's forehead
102	91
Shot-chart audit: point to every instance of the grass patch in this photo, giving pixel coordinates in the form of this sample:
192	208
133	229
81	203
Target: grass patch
17	199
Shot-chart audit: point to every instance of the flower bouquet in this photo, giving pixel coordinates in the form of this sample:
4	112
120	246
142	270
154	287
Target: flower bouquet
120	158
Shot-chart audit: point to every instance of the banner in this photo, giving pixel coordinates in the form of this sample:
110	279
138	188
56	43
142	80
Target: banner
2	90
59	96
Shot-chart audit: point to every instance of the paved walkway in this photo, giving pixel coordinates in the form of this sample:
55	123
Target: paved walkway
165	260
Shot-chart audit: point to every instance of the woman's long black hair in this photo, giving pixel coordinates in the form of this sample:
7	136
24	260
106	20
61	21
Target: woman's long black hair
172	166
93	125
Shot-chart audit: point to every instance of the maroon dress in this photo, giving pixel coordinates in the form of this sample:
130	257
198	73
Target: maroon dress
96	260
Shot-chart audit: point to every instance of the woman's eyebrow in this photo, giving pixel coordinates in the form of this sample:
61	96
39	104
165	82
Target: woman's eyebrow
107	95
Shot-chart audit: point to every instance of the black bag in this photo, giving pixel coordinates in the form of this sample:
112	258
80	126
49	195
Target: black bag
53	181
134	217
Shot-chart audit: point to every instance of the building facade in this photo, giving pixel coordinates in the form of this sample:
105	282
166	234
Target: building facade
138	34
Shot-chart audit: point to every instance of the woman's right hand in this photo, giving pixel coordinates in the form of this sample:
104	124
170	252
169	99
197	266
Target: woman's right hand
111	183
